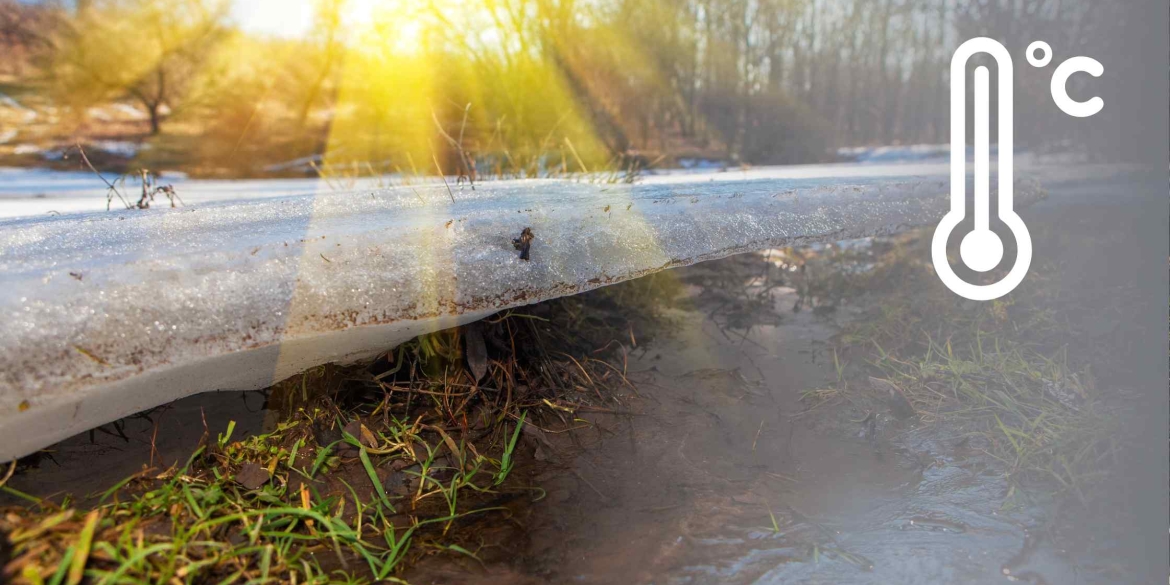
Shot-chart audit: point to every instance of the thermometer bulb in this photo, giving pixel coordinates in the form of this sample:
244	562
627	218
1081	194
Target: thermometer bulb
981	250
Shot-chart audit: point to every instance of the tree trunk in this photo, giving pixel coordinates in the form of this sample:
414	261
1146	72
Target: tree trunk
155	119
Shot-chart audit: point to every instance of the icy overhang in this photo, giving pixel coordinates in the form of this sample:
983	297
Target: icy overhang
107	314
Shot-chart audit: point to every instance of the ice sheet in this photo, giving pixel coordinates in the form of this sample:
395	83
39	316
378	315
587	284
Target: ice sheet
109	313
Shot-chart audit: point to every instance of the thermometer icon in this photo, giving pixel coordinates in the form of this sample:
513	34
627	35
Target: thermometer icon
981	249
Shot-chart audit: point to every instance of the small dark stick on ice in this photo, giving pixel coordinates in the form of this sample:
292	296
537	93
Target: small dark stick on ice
524	242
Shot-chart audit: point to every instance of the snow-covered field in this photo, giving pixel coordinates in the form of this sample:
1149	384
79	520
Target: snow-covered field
33	192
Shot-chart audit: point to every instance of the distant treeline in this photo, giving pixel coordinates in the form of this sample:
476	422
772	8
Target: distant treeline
528	85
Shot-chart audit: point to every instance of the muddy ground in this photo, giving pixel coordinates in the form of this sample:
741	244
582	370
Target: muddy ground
755	447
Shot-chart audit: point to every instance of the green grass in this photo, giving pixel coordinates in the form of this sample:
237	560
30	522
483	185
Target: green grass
327	514
1000	374
1010	395
506	461
205	527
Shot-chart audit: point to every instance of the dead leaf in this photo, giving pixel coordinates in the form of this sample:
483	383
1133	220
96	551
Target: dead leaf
455	452
361	433
476	350
252	476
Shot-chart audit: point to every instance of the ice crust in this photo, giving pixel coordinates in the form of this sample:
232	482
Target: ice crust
106	314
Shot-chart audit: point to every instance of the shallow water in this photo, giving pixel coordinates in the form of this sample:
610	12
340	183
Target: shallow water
686	491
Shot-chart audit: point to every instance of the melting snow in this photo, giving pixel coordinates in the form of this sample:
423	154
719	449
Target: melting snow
110	313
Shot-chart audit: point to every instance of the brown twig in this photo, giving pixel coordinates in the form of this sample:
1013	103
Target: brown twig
458	144
8	476
442	176
111	187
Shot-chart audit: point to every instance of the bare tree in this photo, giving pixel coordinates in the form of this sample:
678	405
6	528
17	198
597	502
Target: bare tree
150	50
329	45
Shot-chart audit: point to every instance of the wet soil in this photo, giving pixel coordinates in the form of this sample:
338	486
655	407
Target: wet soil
89	463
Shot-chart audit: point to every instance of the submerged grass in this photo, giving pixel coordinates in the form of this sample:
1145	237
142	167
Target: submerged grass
368	469
1004	375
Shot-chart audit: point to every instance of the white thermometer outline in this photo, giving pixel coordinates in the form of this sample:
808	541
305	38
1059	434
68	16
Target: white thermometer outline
981	249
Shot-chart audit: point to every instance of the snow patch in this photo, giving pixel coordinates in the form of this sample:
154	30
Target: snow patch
29	113
130	111
119	148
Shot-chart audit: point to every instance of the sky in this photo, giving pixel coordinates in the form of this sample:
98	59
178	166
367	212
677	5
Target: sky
293	18
285	18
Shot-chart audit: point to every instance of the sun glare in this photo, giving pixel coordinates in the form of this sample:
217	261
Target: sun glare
284	18
294	18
